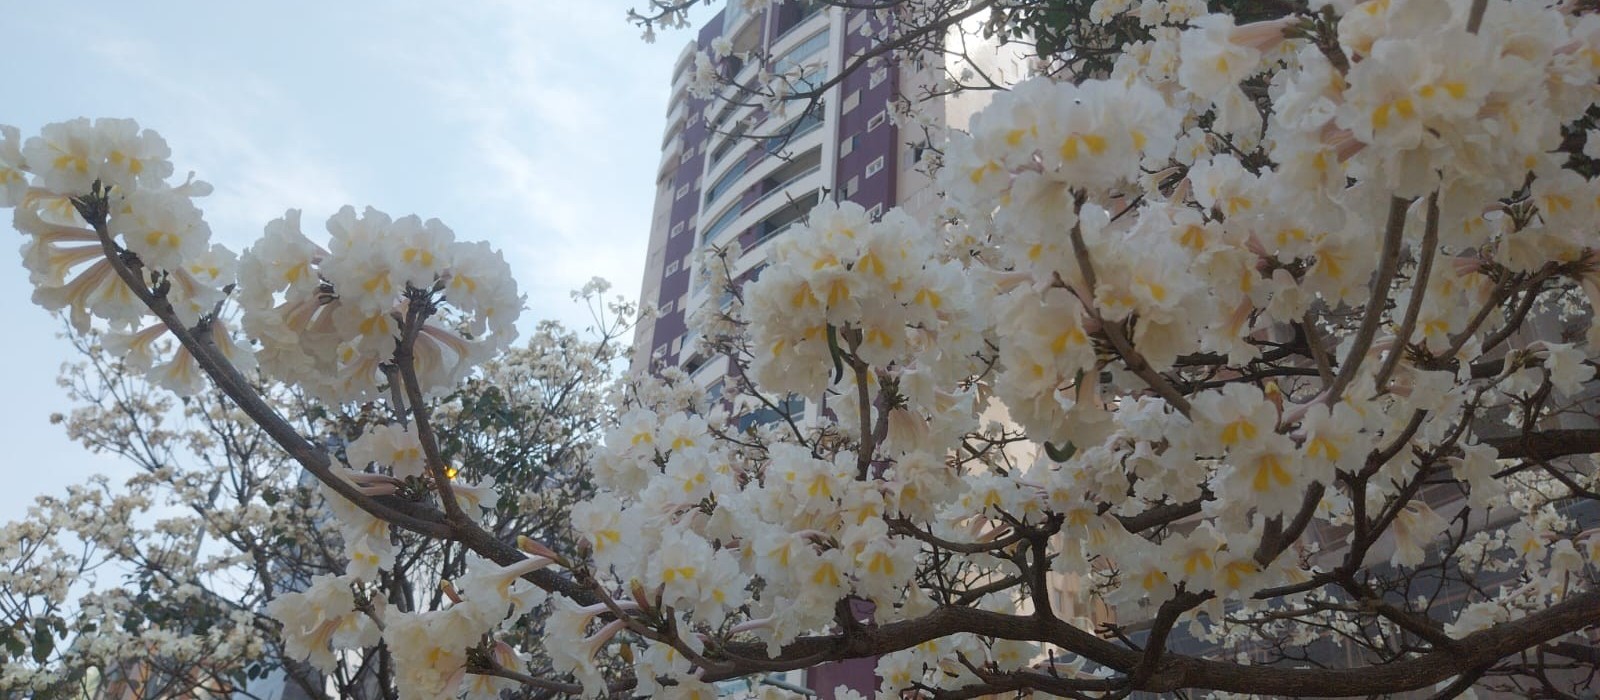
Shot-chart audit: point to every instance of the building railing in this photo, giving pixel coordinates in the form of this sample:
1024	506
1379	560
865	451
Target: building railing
777	142
780	187
771	235
675	121
811	13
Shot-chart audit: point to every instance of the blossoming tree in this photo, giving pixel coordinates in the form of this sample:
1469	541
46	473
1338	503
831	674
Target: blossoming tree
1276	338
160	585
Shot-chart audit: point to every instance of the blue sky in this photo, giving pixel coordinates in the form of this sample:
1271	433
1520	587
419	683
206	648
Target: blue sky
533	124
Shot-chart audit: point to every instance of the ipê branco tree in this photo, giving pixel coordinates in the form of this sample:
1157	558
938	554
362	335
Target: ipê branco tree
160	586
1275	336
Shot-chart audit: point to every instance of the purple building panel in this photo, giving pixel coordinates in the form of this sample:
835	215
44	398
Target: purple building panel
869	140
859	675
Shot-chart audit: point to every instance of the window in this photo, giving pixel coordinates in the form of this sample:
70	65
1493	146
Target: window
875	166
791	407
878	76
793	130
876	212
915	153
851	102
726	145
848	146
723	183
661	350
683	189
721	223
852	186
677	229
666	309
677	344
876	121
687	155
672	269
683	303
802	51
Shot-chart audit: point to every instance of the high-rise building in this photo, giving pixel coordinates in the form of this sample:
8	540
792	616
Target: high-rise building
732	170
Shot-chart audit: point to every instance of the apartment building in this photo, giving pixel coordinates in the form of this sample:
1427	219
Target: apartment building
733	171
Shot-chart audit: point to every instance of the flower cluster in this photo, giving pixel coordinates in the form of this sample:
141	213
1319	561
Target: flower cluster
329	319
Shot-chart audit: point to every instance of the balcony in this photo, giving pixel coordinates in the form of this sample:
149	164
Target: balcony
780	223
669	158
773	139
793	19
783	186
675	121
770	217
684	62
760	170
743	28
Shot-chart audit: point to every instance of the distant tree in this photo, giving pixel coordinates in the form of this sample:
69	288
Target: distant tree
159	585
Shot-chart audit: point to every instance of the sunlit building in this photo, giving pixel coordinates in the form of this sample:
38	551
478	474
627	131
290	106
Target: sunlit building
732	171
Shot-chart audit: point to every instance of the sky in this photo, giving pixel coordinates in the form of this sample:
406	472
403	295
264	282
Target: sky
532	124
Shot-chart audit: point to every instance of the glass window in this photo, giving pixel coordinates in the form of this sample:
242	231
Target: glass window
723	183
802	51
721	223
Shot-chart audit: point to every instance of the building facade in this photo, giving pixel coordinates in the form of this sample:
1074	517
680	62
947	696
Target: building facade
732	171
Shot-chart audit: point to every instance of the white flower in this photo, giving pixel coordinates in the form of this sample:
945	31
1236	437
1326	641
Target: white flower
1568	367
162	226
501	590
389	446
1212	63
134	159
66	157
13	170
322	619
282	260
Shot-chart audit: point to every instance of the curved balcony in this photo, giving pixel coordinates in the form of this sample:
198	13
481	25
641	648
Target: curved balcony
776	212
801	33
739	151
681	65
742	28
680	85
756	254
669	158
759	171
675	121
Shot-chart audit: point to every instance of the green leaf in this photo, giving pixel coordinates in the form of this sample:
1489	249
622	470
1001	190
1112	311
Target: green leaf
835	353
1060	454
15	646
43	641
